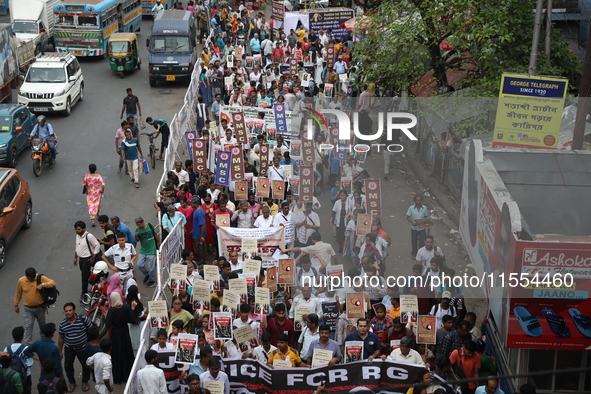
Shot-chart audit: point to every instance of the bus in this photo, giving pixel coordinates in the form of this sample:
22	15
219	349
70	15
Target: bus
83	29
147	5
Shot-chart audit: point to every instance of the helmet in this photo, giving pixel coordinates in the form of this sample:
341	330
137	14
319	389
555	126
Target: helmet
99	267
41	118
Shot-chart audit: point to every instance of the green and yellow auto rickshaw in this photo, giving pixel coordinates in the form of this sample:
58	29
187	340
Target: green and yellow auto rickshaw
122	50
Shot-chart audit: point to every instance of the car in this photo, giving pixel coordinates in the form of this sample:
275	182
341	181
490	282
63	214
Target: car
16	123
54	83
16	207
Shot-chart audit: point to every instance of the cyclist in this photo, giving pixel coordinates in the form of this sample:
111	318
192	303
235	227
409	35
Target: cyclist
161	127
45	132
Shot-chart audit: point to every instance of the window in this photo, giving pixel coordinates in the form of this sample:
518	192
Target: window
555	360
71	70
9	192
76	65
23	114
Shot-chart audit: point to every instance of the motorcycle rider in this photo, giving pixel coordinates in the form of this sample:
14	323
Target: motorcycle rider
157	7
45	132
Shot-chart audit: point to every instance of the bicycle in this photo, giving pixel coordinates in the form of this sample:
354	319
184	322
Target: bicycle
152	152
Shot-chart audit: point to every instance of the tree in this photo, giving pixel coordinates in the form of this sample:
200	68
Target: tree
479	39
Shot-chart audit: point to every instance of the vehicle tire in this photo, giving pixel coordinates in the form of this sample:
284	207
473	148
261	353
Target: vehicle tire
81	98
38	49
152	82
68	109
139	64
28	216
121	74
37	167
100	321
2	252
153	157
13	157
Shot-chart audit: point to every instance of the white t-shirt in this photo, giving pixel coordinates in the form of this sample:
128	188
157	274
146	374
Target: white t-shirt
261	222
424	256
440	313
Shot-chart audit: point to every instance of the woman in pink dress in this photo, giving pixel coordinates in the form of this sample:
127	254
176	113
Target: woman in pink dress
187	210
209	208
95	188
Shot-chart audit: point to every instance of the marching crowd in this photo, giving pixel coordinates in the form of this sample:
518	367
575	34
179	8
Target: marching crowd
196	200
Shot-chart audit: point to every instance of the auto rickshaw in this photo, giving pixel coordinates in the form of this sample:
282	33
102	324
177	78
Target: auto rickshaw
122	50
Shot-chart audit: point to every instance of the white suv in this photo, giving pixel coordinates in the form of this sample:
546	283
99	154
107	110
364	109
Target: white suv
54	83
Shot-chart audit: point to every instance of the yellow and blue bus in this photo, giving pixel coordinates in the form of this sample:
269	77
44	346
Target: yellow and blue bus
83	29
147	5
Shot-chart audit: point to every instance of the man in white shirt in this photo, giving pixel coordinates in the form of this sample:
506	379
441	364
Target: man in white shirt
442	309
103	367
404	354
277	172
228	139
321	253
262	352
151	379
309	334
123	255
306	224
284	218
290	100
235	263
427	252
182	174
213	374
306	298
265	220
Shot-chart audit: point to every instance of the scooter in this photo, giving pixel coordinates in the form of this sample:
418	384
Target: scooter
41	155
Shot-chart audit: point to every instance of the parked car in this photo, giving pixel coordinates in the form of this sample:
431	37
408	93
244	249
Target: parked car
16	207
16	123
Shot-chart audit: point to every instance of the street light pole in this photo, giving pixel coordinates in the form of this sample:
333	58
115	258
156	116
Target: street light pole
583	105
533	59
548	30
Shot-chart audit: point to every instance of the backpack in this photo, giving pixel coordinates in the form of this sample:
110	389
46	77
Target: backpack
51	386
452	309
49	294
5	382
16	360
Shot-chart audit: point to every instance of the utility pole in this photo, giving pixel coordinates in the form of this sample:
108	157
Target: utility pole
583	104
548	30
533	59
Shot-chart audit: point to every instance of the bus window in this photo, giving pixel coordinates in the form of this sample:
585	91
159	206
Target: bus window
87	21
65	20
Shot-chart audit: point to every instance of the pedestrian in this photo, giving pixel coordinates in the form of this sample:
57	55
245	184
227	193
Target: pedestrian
28	289
52	381
123	228
109	234
161	127
213	374
170	219
120	259
467	362
46	349
371	343
199	228
14	384
418	235
94	187
72	344
119	138
150	379
146	235
119	315
131	105
20	361
102	365
88	251
129	149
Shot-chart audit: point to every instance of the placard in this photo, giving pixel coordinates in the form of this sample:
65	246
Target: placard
251	266
228	84
251	284
272	279
295	149
238	52
230	61
249	245
241	190
262	189
335	270
199	155
286	272
355	305
178	277
353	351
201	297
277	363
262	300
231	302
158	314
373	197
330	314
212	274
278	190
238	286
307	184
237	164
239	127
298	316
244	337
328	89
293	67
263	158
222	171
214	387
364	221
409	308
186	349
222	219
426	329
321	357
222	326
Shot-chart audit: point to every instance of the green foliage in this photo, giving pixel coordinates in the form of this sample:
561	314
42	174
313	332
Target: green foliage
488	37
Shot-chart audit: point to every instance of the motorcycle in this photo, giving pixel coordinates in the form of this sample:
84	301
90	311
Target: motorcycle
40	154
97	304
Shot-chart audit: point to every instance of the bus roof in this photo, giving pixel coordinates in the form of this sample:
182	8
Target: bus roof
84	2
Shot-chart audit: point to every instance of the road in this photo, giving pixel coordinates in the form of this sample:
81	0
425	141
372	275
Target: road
86	136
